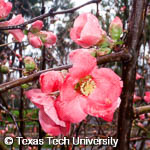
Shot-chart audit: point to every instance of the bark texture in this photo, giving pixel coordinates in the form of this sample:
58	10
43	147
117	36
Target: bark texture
136	24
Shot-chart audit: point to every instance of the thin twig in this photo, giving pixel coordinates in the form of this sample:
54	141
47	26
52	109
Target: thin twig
100	60
50	13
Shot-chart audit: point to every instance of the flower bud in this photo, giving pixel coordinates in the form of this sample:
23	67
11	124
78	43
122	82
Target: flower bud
103	51
30	64
116	28
34	40
4	69
24	86
36	26
48	38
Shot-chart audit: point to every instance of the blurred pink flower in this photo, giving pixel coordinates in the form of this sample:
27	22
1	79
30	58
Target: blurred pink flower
142	117
2	131
116	28
37	26
138	76
86	30
123	8
34	40
5	9
136	98
17	33
147	97
44	99
88	90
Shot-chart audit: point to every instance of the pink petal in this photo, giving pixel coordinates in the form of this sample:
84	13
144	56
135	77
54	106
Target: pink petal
51	112
34	40
103	100
103	111
92	32
51	81
147	97
81	58
71	105
38	25
5	9
48	125
18	34
37	97
81	20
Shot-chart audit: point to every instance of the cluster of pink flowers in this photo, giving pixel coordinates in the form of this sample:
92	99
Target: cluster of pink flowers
68	97
38	38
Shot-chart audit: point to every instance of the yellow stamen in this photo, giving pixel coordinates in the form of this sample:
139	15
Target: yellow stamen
86	85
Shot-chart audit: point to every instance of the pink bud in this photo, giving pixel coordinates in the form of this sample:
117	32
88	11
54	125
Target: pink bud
30	64
37	26
147	97
48	38
116	28
5	8
34	40
86	30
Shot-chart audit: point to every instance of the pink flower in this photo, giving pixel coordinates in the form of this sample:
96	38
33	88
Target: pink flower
86	31
138	76
88	90
147	97
116	28
17	33
123	8
48	38
5	9
44	99
142	117
37	26
34	40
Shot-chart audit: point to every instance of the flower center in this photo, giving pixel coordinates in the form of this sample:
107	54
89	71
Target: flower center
86	85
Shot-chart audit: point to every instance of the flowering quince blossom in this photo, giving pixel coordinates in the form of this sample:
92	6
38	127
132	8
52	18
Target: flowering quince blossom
147	97
5	9
48	38
48	117
116	28
88	90
38	38
34	40
86	30
17	33
37	26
